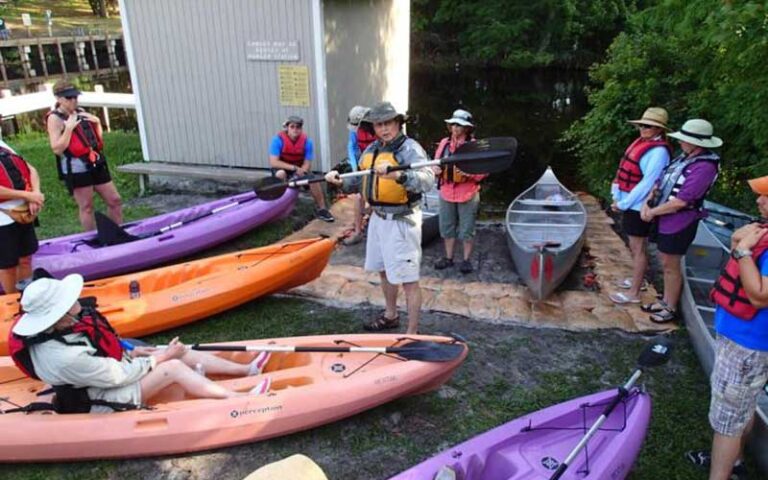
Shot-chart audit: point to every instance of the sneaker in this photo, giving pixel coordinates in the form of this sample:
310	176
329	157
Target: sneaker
324	215
443	263
703	459
465	266
258	363
262	387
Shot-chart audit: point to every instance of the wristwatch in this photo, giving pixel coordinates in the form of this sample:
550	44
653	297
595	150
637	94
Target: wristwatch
402	178
741	253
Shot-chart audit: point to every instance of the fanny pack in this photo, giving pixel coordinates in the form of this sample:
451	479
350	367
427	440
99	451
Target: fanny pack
20	214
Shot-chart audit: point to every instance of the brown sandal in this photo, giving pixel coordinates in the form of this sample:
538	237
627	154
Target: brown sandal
382	323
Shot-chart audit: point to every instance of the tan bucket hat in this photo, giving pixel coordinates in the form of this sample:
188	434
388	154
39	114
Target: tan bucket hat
698	132
655	116
45	301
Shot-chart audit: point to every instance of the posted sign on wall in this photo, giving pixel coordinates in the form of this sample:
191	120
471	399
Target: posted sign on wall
294	85
272	51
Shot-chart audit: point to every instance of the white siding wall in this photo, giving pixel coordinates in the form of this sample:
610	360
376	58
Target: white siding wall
202	102
367	46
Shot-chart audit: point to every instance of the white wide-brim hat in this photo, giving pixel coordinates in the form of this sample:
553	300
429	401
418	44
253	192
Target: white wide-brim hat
698	132
460	117
45	301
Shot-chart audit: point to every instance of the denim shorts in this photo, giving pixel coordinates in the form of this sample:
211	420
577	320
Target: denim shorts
457	220
737	380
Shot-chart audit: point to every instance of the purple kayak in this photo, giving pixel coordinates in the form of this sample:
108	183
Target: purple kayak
161	238
533	446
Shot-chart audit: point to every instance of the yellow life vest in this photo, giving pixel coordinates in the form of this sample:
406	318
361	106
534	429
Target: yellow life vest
377	190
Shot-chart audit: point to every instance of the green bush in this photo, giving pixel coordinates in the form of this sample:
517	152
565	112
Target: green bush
701	58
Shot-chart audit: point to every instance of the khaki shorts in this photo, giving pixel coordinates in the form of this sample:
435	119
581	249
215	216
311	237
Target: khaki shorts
457	220
394	247
737	379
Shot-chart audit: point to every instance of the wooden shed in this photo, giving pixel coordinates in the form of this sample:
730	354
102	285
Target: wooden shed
215	79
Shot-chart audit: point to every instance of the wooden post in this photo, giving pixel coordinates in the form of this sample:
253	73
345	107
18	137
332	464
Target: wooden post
61	57
2	68
93	52
24	60
111	57
78	57
41	51
104	110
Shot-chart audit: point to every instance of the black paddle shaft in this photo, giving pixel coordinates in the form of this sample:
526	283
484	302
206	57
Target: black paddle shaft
425	351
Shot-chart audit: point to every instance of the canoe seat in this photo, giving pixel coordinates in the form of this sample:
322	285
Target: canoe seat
545	212
547	203
547	225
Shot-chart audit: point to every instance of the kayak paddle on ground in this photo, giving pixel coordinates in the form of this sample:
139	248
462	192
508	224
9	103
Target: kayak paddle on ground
654	355
488	155
422	350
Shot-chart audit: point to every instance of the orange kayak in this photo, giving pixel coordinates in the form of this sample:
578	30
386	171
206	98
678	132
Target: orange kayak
308	389
171	296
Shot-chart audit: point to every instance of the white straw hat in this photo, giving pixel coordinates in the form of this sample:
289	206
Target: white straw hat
460	117
45	301
697	132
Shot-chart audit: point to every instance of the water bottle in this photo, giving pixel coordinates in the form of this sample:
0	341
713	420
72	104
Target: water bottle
134	289
200	369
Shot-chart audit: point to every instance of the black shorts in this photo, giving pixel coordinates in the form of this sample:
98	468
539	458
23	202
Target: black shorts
98	175
16	241
676	243
633	225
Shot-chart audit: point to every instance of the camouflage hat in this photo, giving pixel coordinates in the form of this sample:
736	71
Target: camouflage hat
293	119
383	112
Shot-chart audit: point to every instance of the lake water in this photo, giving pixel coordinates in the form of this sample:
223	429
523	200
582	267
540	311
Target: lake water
533	106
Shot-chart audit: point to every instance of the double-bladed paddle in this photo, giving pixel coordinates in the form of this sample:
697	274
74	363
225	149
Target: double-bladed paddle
655	354
488	155
421	350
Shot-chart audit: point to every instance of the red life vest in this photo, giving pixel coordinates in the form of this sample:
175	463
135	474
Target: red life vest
293	152
92	323
728	292
450	173
629	173
85	142
364	138
14	172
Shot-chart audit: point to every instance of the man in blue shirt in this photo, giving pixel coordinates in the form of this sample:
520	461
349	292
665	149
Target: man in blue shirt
741	350
290	154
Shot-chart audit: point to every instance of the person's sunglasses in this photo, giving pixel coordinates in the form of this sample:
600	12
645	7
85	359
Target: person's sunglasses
645	127
71	98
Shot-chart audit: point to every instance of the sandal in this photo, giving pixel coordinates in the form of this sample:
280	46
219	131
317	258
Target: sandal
665	315
654	307
626	284
443	263
353	239
382	323
621	298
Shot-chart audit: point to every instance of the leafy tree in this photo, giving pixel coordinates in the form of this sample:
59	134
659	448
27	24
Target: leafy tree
696	58
519	33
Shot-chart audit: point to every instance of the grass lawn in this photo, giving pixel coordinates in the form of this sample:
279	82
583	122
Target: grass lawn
510	371
67	15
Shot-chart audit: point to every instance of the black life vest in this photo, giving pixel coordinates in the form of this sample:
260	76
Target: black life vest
68	398
728	291
629	173
293	152
14	172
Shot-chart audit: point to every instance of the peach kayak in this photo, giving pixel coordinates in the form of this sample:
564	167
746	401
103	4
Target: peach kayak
310	387
155	300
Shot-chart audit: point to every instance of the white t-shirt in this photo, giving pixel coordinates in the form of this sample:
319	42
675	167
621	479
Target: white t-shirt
8	204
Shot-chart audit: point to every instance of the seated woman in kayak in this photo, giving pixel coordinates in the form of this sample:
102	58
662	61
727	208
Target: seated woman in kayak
65	345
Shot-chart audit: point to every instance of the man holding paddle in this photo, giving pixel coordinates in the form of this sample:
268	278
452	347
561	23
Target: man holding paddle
393	245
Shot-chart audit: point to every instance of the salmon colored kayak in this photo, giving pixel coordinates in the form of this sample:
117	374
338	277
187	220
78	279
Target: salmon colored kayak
308	389
171	296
